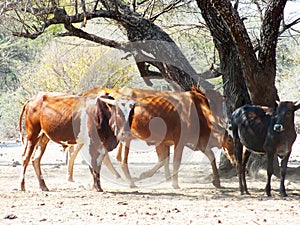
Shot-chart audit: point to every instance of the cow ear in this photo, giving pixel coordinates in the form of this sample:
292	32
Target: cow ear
268	110
296	106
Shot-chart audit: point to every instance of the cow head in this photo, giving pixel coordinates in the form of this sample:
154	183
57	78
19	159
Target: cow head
103	119
284	116
222	138
123	111
228	147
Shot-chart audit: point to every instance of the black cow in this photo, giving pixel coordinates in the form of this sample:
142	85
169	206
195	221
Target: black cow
264	130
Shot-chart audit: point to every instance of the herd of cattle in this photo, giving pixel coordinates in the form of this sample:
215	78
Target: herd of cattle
98	120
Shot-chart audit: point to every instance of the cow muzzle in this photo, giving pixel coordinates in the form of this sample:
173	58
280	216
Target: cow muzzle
278	127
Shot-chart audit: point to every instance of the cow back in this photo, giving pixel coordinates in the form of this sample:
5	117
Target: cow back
157	120
250	124
61	117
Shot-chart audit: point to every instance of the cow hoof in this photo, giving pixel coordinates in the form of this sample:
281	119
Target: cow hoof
98	189
143	176
118	177
132	185
175	186
283	194
44	189
168	178
217	184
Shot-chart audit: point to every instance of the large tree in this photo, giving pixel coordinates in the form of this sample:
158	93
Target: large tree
245	65
248	65
154	51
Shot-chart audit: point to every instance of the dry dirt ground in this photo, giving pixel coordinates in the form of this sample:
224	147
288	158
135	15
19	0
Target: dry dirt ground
153	202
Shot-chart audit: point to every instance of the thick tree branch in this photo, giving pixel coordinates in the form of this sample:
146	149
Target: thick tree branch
270	30
239	33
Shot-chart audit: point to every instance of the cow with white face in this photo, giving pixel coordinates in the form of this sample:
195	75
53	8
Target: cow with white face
69	120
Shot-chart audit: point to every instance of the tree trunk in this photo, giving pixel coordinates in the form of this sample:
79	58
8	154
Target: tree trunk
235	88
262	88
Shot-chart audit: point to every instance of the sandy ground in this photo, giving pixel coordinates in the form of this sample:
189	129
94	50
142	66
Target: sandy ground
153	202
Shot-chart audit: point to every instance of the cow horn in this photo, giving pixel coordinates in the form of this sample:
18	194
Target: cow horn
296	105
108	101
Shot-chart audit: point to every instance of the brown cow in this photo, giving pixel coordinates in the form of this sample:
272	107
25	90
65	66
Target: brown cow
186	119
68	120
72	150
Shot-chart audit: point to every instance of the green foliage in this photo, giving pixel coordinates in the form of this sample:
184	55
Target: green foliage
16	54
9	115
74	65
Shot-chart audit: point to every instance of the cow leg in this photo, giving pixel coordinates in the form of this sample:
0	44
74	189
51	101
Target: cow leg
122	157
36	160
283	169
270	169
110	166
30	145
178	150
71	160
95	167
240	164
167	163
211	156
246	156
96	178
163	153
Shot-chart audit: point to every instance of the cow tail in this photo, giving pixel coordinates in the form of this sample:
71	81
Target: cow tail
20	120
